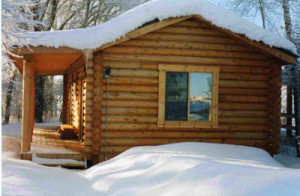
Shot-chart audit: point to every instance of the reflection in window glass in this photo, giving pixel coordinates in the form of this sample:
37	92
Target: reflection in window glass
176	96
200	96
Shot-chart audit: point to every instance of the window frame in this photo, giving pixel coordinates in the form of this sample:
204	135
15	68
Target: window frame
213	116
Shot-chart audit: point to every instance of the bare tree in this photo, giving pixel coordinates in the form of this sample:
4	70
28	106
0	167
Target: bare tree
252	8
15	15
20	16
273	14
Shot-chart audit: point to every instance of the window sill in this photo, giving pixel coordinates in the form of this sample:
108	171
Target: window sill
185	124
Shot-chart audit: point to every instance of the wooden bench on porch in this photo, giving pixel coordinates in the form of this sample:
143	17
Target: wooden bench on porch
68	132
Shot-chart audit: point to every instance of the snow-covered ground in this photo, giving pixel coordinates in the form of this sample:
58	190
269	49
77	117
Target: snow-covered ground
288	161
175	169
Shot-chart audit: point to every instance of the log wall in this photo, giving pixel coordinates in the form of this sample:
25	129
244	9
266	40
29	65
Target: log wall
74	99
94	80
247	77
66	100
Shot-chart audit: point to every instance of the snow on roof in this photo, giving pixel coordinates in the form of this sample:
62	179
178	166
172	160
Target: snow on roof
95	37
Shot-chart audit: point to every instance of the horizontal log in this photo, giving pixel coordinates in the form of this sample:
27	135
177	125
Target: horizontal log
153	127
115	149
243	121
243	84
188	30
130	96
186	45
134	73
188	38
190	23
89	103
89	81
243	106
132	80
228	113
155	135
243	69
129	119
89	118
90	87
131	111
275	81
88	141
131	88
258	143
89	95
88	125
98	90
88	150
243	99
227	71
183	52
143	142
243	91
96	138
130	65
132	104
108	156
88	133
90	71
184	59
238	76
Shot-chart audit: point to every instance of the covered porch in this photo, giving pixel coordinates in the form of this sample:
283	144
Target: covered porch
69	63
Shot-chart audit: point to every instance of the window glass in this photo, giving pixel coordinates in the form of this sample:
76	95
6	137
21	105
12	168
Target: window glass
176	96
200	96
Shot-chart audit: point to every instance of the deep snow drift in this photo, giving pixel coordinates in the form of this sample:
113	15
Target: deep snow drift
174	169
94	37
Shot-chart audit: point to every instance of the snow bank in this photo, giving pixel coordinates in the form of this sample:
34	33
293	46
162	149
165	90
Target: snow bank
11	147
175	169
94	37
288	160
12	130
27	178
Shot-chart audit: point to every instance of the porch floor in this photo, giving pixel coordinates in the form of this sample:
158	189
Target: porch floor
47	139
47	148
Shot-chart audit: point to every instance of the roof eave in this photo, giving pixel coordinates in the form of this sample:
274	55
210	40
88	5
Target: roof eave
43	50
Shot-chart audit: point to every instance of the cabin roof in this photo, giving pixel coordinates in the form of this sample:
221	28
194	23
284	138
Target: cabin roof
116	28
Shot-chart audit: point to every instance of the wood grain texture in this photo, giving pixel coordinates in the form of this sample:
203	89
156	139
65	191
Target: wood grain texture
135	113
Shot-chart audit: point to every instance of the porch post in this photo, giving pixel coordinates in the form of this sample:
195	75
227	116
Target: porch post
94	79
28	104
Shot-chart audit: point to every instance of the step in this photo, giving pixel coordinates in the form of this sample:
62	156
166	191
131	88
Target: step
59	159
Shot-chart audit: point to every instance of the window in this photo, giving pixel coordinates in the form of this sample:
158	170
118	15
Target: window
188	96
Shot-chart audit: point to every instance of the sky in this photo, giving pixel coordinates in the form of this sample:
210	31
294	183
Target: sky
199	84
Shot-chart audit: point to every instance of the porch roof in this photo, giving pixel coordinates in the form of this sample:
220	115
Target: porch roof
54	62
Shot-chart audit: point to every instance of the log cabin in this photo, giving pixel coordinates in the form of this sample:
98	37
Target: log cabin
180	74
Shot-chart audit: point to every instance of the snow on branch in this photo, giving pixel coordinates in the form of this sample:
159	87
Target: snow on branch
16	19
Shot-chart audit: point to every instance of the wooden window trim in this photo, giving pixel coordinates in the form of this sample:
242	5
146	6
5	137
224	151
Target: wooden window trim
213	119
